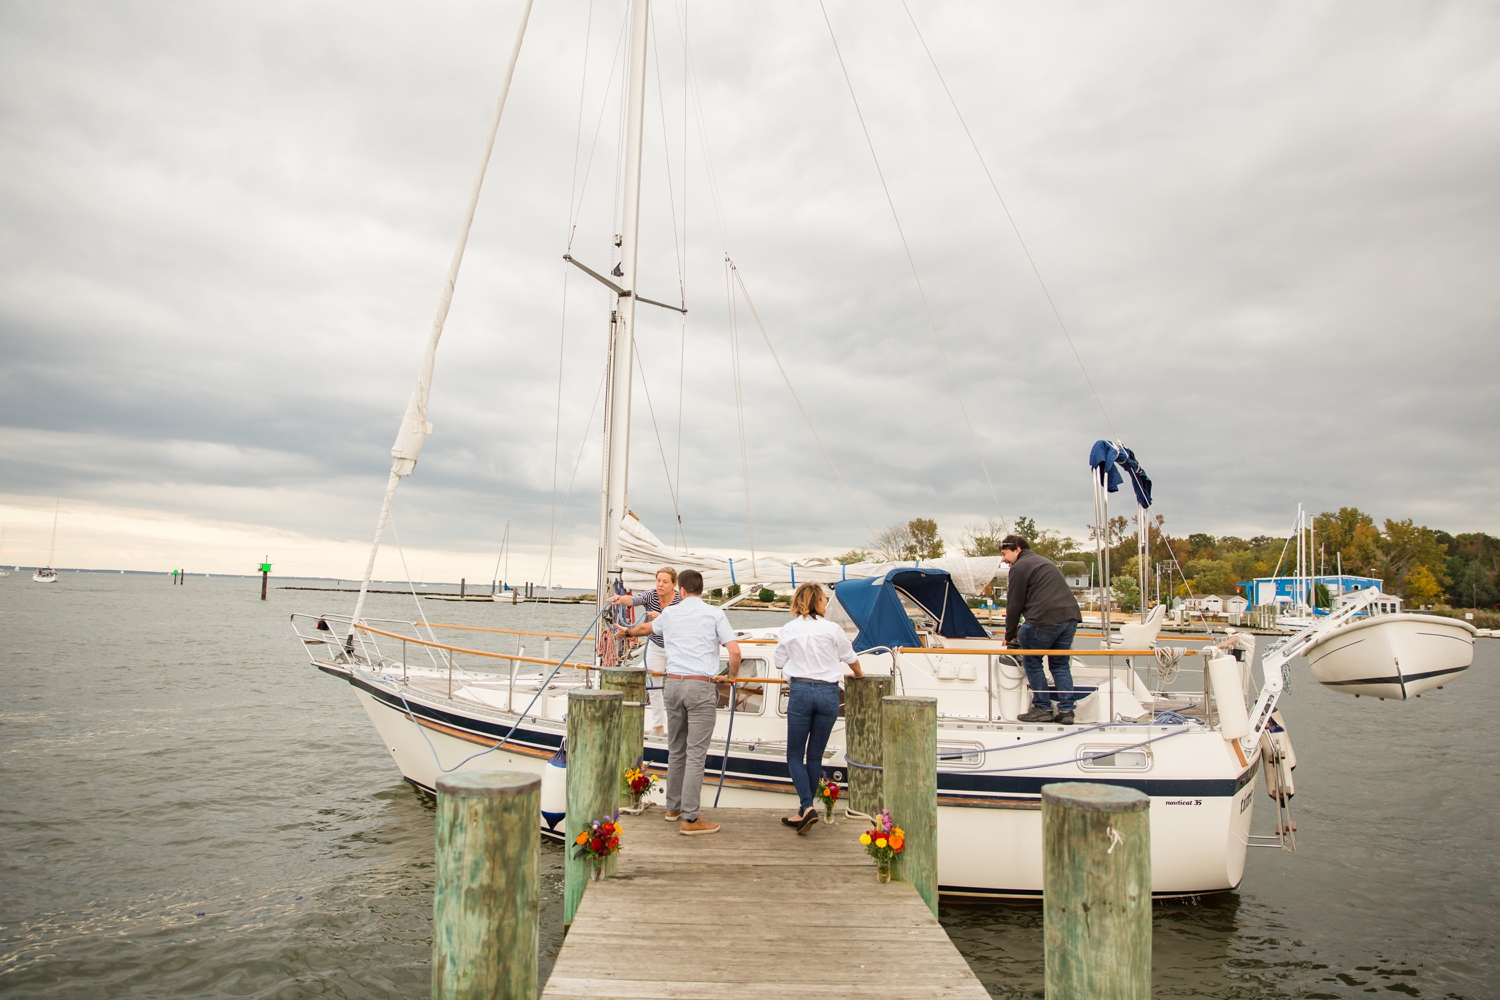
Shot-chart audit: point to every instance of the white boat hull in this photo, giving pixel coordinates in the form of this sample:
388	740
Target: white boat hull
44	576
989	824
1392	656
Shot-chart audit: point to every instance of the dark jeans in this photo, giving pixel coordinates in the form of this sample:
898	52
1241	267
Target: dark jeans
1049	637
811	711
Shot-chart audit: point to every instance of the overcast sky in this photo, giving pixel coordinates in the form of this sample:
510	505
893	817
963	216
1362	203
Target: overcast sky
1273	231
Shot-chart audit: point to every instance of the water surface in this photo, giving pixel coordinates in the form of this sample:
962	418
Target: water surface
189	809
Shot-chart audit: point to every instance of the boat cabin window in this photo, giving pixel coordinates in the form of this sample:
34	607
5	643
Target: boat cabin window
750	699
1102	759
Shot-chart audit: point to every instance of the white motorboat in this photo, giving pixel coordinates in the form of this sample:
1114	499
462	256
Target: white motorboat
1398	656
1194	749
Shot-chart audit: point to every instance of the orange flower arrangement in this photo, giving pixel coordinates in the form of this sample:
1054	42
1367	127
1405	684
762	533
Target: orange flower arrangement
599	840
884	840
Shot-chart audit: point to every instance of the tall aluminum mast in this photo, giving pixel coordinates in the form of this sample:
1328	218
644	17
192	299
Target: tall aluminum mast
622	340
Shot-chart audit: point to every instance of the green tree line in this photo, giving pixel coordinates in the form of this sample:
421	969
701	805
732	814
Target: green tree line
1418	563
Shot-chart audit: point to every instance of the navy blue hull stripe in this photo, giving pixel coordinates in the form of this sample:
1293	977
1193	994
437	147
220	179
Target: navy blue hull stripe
774	771
1397	679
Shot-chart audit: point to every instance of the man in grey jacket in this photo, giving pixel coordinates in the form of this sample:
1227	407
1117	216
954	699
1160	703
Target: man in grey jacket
1038	594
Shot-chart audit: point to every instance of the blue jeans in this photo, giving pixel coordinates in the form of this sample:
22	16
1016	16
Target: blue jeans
811	711
1049	637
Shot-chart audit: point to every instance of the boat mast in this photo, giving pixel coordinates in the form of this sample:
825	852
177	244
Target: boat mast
53	550
622	339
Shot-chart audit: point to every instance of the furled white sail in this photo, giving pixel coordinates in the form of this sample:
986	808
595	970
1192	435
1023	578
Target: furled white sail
642	554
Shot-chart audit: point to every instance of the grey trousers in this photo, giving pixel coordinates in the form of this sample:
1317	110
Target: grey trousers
692	709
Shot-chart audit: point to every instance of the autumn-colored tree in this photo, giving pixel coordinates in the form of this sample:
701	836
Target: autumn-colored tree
1211	576
1422	587
1407	547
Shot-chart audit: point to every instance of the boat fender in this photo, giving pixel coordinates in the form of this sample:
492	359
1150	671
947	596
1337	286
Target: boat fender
555	789
1224	673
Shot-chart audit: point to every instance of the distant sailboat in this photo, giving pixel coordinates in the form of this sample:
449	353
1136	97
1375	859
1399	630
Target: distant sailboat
47	574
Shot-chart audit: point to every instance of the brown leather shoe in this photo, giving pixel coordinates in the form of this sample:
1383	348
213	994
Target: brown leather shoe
697	827
672	817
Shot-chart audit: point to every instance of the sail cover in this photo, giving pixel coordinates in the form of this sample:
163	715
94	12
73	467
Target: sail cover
875	606
642	554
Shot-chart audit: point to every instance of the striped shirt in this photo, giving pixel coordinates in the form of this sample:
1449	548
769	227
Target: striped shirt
651	602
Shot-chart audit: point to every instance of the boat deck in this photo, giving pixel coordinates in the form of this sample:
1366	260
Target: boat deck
753	911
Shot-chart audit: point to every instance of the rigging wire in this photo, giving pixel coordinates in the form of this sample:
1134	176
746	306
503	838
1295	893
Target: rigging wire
671	490
740	281
421	613
739	403
910	259
682	328
562	335
1056	313
690	87
680	246
588	426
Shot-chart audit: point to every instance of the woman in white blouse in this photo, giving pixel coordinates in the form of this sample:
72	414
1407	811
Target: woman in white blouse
811	652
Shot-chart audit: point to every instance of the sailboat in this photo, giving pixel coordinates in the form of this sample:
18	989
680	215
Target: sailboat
47	574
1195	746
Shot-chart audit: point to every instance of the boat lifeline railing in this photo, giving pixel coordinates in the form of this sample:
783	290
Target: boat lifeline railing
325	631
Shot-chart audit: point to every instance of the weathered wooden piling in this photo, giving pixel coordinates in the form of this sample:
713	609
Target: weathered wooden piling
485	891
593	781
862	714
1096	891
631	683
909	751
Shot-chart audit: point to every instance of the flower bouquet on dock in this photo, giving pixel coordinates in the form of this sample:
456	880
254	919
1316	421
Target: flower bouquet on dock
883	842
597	842
638	782
828	794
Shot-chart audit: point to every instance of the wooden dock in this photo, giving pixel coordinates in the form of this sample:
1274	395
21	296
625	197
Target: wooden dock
753	911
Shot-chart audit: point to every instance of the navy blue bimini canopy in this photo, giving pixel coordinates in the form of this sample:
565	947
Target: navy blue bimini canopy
875	606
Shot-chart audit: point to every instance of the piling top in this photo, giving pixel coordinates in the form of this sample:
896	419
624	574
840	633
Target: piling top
908	699
606	671
1091	796
488	784
590	694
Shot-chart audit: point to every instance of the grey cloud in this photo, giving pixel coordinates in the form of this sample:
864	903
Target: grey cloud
1271	230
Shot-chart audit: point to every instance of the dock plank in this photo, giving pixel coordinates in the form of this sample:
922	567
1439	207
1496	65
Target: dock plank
753	911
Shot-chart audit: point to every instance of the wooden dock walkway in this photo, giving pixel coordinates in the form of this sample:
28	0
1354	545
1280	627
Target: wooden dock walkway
753	911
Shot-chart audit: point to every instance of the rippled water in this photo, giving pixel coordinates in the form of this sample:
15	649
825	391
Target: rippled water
191	810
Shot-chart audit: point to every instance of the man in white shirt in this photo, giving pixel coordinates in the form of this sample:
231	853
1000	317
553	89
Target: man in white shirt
692	632
811	652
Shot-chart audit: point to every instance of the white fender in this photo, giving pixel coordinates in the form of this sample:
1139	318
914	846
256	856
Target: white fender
555	789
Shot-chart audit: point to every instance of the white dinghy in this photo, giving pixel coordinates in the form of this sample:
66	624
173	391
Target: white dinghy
1390	656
